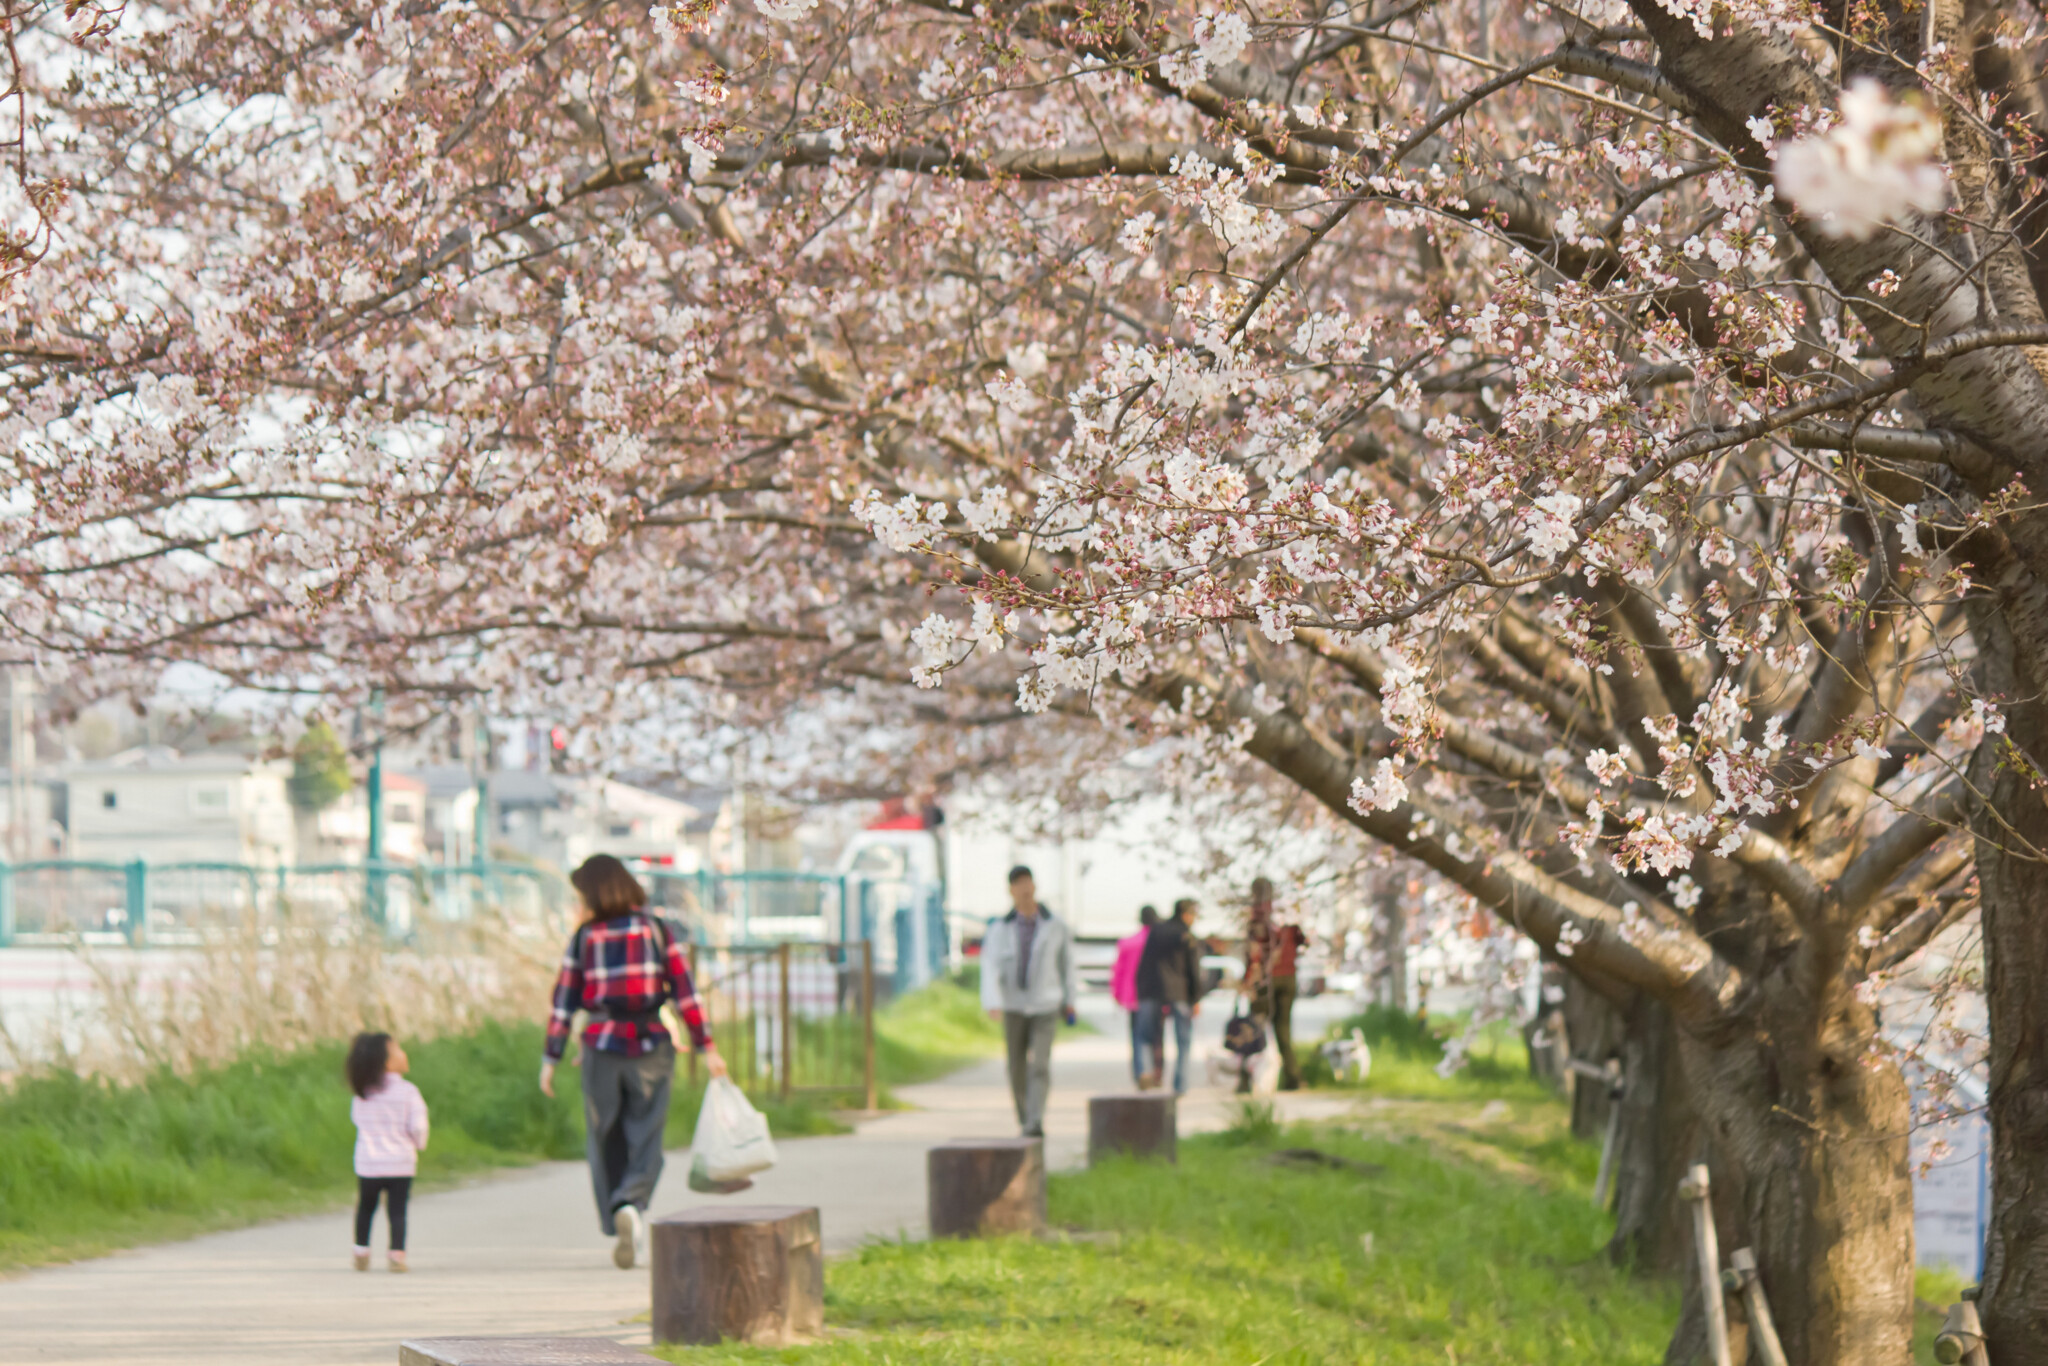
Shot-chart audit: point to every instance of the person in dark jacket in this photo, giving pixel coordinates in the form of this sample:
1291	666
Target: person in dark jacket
1170	987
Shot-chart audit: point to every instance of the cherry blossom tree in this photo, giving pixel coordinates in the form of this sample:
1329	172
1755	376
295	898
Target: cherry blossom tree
1585	449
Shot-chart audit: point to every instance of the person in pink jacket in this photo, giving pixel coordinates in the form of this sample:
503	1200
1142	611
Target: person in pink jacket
391	1129
1123	989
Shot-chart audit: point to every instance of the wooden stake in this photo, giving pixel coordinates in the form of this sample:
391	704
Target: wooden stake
1693	1190
867	1020
1961	1339
1613	1139
1763	1329
788	1043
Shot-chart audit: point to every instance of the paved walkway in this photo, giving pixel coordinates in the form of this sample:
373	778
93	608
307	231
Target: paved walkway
520	1252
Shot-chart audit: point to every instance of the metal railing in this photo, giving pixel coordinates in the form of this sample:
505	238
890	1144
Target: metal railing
791	1018
143	903
904	921
172	904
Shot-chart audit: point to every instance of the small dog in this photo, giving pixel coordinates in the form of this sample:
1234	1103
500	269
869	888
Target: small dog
1350	1058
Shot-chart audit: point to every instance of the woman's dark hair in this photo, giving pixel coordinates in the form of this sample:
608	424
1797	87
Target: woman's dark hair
1148	916
367	1059
607	888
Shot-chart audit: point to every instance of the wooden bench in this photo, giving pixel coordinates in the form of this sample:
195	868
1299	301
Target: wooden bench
986	1187
520	1352
1139	1123
744	1273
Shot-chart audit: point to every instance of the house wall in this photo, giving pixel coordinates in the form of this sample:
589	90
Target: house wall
182	815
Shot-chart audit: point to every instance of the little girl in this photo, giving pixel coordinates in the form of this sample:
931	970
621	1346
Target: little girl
391	1129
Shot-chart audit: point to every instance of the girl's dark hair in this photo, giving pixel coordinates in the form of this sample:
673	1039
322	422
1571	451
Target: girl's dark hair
607	888
367	1058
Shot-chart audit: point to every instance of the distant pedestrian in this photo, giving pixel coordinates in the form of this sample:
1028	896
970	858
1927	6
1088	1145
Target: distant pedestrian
1027	982
621	966
390	1117
1270	962
1170	989
1123	988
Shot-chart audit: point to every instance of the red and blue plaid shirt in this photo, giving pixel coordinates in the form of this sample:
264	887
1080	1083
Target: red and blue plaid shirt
619	965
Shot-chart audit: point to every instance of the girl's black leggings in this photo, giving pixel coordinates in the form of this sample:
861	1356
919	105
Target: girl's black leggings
396	1190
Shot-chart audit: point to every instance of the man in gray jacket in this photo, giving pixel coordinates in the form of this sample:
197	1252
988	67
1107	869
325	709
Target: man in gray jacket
1027	982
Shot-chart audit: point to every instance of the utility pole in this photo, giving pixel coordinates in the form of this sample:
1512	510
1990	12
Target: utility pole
480	766
373	857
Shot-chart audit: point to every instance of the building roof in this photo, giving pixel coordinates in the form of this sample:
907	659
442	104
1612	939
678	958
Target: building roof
443	780
516	787
164	759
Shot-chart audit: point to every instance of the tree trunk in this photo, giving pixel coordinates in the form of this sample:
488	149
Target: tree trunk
1659	1134
2013	889
1597	1028
1806	1135
1393	935
1659	1138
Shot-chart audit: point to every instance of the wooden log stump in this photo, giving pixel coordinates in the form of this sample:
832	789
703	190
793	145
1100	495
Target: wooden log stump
985	1187
748	1273
1142	1123
520	1352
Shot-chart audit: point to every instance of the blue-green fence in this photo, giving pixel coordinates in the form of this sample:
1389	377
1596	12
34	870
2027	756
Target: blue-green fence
170	904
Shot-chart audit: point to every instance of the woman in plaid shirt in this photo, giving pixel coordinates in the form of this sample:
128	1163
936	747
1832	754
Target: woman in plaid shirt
621	966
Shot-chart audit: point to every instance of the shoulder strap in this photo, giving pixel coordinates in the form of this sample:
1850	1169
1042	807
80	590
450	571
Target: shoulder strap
661	932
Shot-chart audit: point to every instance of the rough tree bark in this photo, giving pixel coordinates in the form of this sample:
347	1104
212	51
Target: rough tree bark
1659	1135
2013	882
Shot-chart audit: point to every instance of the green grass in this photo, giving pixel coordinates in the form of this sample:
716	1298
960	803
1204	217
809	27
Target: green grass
1938	1290
1230	1258
86	1167
1406	1051
933	1031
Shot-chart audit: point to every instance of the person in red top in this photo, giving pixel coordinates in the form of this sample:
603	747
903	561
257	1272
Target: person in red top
622	965
1272	951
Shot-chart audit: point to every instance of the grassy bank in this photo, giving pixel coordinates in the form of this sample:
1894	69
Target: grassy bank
87	1167
928	1033
1397	1251
1406	1052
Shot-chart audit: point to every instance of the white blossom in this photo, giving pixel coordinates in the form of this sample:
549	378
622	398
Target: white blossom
1550	525
1909	525
1876	166
1608	768
1223	39
1387	790
590	528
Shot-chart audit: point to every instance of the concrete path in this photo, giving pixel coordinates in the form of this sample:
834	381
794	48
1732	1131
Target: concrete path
520	1252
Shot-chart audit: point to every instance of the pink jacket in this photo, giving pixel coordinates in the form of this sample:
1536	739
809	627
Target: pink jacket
391	1128
1123	978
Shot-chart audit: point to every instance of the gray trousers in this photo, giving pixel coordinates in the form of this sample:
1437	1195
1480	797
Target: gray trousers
625	1109
1030	1042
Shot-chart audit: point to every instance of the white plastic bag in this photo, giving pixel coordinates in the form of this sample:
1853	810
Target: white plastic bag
1265	1065
731	1142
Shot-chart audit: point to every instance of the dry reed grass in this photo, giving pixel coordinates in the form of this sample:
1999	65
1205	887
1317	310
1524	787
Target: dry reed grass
272	984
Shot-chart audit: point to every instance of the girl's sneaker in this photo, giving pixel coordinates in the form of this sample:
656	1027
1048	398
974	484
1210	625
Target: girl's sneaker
361	1257
397	1262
